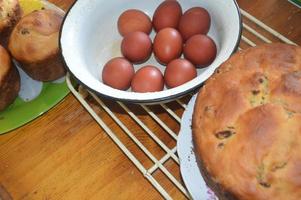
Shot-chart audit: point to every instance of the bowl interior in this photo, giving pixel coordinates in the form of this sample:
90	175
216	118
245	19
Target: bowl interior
90	38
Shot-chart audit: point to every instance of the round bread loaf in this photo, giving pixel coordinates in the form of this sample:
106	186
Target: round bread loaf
247	125
34	43
10	13
9	80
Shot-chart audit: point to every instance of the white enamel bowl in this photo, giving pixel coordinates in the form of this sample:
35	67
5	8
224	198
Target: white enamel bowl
89	38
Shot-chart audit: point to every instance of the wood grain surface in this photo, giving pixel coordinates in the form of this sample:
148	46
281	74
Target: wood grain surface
64	154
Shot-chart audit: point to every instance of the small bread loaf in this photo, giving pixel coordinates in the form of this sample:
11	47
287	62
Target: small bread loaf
10	13
9	80
34	44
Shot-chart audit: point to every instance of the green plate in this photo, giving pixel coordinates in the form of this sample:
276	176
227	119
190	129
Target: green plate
21	112
296	3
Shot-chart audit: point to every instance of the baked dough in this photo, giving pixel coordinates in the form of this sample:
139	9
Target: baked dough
247	125
10	13
34	43
9	80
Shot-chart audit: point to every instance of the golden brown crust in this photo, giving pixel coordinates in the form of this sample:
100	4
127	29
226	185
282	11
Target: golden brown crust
10	14
246	124
9	80
34	43
5	63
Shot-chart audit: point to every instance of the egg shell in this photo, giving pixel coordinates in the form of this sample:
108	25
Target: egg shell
178	72
148	79
136	47
167	14
118	73
200	50
167	45
134	20
194	21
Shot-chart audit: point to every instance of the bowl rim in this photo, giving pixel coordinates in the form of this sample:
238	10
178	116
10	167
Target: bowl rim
143	101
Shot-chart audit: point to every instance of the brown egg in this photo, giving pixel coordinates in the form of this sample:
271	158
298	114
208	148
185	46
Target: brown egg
136	47
194	21
200	50
167	45
134	20
118	73
167	14
148	79
178	72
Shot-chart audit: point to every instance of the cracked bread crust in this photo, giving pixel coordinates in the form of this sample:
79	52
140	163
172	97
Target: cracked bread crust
246	125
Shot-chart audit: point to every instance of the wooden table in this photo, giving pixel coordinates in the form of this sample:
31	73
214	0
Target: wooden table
64	154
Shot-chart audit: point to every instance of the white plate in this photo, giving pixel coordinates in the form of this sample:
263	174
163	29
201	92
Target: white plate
89	38
188	166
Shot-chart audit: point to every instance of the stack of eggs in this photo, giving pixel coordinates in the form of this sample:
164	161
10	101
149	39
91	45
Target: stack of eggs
176	33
